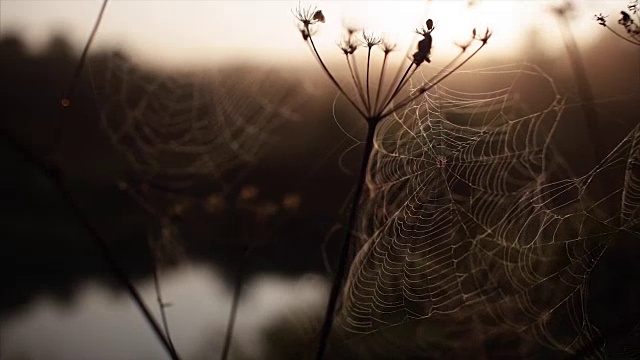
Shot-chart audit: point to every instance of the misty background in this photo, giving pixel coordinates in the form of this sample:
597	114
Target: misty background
278	207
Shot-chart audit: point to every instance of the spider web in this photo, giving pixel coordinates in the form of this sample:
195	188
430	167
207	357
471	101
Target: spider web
177	126
475	223
182	131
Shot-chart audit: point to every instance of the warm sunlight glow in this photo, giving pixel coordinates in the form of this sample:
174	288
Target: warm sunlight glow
176	31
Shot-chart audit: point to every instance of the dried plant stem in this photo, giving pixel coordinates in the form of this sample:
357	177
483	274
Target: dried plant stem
56	176
85	52
161	304
356	82
67	97
331	77
426	87
359	82
622	37
368	70
346	242
392	94
235	301
384	66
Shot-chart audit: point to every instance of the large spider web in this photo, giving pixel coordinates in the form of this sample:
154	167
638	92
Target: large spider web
173	125
477	225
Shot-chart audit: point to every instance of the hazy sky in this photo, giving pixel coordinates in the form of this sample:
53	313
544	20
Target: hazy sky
172	31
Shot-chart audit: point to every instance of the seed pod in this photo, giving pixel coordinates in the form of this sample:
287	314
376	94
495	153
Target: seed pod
318	16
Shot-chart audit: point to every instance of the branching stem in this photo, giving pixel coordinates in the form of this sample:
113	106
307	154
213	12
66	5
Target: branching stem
397	89
346	242
384	65
332	78
426	87
356	82
368	69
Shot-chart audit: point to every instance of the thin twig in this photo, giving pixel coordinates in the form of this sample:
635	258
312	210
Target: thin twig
346	242
161	304
85	52
355	82
359	82
621	37
57	178
427	87
67	97
333	79
384	65
368	70
56	175
235	301
397	89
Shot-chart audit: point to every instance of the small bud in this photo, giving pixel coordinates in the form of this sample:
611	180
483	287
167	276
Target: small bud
318	16
429	24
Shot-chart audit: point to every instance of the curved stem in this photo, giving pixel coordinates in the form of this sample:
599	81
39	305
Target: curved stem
161	304
56	176
233	313
427	87
368	69
66	100
346	242
622	37
356	83
384	65
398	87
85	52
359	82
333	79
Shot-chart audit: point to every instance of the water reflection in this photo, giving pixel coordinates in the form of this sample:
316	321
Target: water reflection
102	324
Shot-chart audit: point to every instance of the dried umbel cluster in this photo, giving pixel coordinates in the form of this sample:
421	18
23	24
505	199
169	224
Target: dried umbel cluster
374	101
370	100
629	21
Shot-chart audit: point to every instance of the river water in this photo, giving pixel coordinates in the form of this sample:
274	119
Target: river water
100	323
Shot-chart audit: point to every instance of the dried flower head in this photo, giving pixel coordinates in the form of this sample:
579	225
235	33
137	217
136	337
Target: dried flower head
387	46
484	37
372	101
348	45
601	19
370	40
375	102
631	26
309	15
